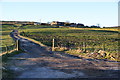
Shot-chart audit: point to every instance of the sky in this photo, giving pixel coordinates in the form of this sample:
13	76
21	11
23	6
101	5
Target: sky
88	13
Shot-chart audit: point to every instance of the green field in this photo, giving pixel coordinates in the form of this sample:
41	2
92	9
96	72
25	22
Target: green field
72	38
86	40
7	41
77	41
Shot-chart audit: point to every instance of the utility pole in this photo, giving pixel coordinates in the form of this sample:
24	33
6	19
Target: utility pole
53	45
40	21
98	25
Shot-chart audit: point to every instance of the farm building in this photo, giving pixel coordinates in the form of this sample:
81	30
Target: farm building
57	23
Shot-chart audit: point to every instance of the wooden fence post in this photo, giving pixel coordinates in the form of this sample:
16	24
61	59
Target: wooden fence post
84	44
17	45
6	48
104	46
53	45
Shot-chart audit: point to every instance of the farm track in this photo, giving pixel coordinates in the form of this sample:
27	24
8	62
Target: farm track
39	62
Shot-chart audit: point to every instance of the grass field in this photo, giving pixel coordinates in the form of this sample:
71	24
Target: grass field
74	37
7	41
5	38
77	41
87	40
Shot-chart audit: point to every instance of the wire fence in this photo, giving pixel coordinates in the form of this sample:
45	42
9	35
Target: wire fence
8	49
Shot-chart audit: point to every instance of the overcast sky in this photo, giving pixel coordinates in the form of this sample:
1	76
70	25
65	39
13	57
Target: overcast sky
88	13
